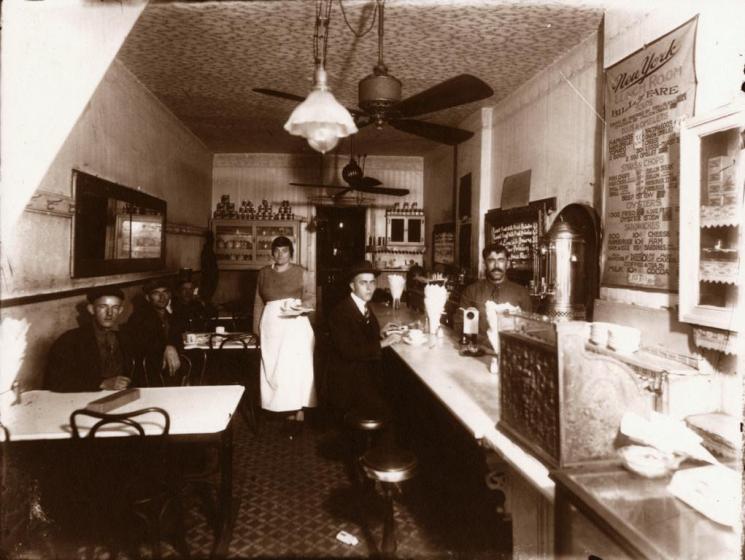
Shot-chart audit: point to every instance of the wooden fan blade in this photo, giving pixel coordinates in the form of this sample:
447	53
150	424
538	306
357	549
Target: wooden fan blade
456	91
282	94
383	190
364	182
319	186
338	195
293	97
431	131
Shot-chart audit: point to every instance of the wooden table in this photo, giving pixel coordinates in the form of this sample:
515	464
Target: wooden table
201	414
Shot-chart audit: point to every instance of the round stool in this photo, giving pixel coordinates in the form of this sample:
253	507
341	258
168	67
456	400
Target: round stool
367	422
388	466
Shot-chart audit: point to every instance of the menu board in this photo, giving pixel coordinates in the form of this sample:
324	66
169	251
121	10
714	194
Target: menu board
519	230
443	237
519	238
647	95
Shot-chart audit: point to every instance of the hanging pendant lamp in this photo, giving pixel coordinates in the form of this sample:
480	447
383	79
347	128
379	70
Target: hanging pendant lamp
320	118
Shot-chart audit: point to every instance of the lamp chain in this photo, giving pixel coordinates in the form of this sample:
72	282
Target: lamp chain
380	68
321	35
369	27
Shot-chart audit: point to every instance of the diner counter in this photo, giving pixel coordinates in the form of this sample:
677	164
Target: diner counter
468	390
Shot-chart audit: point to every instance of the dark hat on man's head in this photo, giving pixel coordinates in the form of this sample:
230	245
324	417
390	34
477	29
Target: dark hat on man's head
101	291
155	283
361	268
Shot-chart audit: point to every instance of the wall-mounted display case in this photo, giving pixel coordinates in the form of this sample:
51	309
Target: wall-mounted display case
404	229
246	244
712	161
116	229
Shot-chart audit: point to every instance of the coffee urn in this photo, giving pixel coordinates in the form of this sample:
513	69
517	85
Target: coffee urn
559	274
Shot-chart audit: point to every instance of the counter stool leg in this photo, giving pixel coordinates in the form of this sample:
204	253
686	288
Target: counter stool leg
389	526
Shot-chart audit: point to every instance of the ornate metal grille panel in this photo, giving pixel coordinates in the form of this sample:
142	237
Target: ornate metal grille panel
530	394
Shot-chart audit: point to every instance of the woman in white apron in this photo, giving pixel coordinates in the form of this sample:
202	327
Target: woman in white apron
280	317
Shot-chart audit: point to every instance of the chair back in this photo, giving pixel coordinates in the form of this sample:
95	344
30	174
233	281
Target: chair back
124	418
240	338
182	376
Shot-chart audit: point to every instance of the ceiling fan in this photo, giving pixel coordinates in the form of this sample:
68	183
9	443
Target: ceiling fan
354	177
380	100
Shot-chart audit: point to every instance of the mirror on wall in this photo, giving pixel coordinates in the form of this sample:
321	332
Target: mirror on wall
115	229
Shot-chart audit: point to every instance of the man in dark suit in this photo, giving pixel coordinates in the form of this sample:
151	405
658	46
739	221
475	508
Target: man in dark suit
355	372
96	355
155	334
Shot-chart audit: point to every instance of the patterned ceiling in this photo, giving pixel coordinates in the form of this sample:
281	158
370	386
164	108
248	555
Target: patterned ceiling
202	59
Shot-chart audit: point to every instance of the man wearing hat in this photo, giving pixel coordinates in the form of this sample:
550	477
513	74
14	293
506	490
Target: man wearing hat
96	355
355	372
156	336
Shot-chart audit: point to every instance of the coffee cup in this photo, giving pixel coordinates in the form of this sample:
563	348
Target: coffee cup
190	338
415	334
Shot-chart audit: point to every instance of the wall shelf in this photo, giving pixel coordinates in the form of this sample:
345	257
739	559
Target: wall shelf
246	244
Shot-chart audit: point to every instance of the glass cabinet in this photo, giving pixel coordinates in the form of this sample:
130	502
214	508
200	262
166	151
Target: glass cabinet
246	244
712	160
404	229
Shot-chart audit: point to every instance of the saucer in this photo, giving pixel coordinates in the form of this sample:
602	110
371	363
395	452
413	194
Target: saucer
414	341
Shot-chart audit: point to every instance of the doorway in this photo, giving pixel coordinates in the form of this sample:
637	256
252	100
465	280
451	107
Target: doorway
340	242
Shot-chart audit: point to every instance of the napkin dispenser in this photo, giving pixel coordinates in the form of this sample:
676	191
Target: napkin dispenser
470	324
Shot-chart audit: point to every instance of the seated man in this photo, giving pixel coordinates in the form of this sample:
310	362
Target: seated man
495	286
355	373
96	355
188	309
155	335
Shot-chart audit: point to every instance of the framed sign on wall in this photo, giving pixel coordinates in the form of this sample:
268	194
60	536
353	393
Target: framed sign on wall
647	96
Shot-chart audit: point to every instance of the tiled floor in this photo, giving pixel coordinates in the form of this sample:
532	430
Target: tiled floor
295	496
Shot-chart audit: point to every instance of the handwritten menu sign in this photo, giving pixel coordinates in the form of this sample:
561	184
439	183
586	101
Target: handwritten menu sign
519	230
519	238
647	95
444	243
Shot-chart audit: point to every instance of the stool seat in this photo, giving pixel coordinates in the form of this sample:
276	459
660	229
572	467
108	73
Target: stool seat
365	420
389	464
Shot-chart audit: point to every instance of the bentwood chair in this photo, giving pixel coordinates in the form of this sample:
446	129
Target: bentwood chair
217	343
125	479
181	378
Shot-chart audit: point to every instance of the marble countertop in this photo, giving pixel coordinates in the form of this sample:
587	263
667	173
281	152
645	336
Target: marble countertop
467	388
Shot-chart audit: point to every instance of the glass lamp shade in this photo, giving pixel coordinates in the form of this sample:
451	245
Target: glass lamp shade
321	119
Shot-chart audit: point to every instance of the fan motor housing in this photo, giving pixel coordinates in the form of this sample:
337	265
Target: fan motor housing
378	92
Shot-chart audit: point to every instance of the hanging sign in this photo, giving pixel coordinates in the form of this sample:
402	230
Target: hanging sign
647	94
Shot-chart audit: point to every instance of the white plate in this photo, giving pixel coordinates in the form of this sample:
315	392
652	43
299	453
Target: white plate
294	312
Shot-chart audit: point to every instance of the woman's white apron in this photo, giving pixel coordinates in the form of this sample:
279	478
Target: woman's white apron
286	360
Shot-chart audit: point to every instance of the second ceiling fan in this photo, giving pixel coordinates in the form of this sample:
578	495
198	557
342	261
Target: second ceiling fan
354	177
380	100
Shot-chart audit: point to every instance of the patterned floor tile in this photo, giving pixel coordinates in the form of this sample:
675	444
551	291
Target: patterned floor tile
296	495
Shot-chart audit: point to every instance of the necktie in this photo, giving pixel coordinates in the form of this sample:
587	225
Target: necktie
367	315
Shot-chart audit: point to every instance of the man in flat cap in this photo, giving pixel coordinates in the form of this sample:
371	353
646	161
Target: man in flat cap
96	355
355	373
155	335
